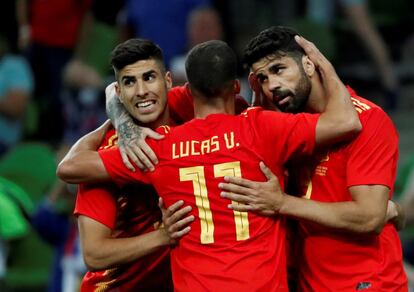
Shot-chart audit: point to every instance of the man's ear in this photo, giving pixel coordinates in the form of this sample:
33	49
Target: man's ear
118	91
168	79
308	66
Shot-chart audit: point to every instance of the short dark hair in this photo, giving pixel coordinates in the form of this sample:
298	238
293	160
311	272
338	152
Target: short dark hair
211	67
275	40
134	50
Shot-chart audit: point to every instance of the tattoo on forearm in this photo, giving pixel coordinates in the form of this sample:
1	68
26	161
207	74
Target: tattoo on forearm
116	112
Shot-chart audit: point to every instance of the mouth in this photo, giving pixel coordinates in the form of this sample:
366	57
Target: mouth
281	99
144	104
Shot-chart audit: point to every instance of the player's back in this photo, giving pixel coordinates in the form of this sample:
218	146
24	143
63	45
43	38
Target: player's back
225	250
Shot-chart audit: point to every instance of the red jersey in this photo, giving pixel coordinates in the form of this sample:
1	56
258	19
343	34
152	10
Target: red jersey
339	261
127	214
225	250
180	103
57	23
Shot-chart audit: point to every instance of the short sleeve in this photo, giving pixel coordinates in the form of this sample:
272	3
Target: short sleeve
372	156
180	104
290	134
97	203
116	169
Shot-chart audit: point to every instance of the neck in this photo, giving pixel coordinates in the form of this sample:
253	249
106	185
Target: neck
163	119
317	98
204	107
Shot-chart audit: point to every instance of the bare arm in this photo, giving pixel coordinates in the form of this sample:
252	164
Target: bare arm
175	219
366	213
82	163
131	137
114	251
339	120
396	214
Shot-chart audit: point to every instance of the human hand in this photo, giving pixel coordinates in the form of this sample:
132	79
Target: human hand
323	65
257	96
264	198
132	145
175	220
395	214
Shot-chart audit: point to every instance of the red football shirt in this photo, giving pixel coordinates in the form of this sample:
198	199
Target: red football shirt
338	261
127	214
225	250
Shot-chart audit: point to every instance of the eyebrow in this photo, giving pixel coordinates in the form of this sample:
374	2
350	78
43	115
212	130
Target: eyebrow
269	68
150	72
127	77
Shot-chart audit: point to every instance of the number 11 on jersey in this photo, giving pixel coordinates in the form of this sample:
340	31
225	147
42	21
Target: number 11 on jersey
196	175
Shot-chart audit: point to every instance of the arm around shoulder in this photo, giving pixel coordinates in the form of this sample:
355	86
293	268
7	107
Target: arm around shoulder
82	163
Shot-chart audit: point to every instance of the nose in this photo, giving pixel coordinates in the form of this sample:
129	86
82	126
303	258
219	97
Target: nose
141	89
274	83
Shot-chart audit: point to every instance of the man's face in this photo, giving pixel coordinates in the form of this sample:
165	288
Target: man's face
142	88
283	82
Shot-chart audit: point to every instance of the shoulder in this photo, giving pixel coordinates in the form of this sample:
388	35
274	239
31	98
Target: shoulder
368	111
164	130
110	140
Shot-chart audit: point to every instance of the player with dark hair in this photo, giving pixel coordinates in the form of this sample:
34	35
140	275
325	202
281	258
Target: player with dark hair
225	250
122	243
346	243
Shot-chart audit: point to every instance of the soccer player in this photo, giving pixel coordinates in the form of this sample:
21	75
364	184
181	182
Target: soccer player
345	243
225	250
122	244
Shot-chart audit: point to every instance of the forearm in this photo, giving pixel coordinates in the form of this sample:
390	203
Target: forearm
341	215
339	114
82	163
116	111
117	251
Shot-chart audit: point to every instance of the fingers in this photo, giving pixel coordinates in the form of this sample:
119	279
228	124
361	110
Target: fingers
254	84
176	220
161	204
152	134
241	207
146	155
235	197
266	171
173	217
314	54
181	233
139	157
239	181
257	98
174	207
125	160
234	188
